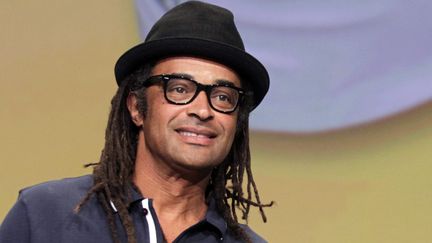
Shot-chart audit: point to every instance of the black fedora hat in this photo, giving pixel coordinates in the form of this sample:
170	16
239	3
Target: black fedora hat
202	30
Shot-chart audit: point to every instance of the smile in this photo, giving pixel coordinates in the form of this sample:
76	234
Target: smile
192	134
196	136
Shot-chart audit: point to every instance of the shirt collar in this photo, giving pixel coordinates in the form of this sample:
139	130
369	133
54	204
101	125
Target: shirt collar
212	216
135	197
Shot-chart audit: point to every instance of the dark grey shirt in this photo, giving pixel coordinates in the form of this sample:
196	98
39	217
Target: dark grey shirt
44	213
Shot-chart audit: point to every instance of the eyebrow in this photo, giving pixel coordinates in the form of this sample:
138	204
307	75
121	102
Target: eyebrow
182	74
225	82
217	81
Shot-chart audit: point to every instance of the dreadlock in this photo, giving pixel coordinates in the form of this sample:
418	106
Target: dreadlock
113	173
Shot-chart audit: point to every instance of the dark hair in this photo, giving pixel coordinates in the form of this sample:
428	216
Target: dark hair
113	173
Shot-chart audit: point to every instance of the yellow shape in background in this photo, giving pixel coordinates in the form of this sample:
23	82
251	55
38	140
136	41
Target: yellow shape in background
56	72
363	184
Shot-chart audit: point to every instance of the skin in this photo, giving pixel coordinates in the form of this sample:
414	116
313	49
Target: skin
179	145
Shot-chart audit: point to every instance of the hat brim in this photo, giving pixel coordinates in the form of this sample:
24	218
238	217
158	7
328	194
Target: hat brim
246	66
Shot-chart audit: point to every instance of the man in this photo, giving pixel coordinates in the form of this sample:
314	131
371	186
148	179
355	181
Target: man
176	145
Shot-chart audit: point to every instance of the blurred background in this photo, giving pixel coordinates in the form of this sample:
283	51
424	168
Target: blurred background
342	142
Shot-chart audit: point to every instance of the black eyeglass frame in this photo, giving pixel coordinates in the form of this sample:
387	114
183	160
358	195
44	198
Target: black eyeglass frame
207	88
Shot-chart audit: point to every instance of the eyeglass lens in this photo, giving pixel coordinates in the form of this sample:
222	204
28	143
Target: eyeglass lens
182	91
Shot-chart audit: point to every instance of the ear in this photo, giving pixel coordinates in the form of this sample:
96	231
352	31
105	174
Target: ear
133	110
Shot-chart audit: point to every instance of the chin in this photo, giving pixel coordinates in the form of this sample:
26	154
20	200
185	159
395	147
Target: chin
198	165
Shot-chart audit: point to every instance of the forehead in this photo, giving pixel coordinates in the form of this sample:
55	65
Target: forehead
203	70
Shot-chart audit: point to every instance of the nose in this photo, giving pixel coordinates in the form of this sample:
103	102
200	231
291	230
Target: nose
200	107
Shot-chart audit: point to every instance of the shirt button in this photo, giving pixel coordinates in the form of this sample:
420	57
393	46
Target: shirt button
145	211
221	239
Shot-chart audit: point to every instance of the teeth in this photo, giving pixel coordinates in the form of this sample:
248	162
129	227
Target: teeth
192	134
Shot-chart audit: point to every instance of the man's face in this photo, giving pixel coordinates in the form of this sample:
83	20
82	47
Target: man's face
192	136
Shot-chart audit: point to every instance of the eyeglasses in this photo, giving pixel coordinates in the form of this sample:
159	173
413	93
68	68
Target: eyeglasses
182	90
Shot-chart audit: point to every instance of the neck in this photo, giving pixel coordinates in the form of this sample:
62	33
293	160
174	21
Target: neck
169	190
178	196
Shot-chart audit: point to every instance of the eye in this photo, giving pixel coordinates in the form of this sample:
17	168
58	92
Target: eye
180	86
224	96
179	89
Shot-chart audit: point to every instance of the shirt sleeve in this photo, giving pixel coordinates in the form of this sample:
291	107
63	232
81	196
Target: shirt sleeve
16	227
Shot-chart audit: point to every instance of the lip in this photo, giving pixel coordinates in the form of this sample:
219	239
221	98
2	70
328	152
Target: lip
196	136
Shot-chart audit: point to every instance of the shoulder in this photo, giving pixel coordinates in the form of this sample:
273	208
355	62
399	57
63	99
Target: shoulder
53	194
42	210
69	186
255	238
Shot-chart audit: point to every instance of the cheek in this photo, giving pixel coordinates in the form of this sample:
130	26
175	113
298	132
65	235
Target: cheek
155	104
160	114
231	127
